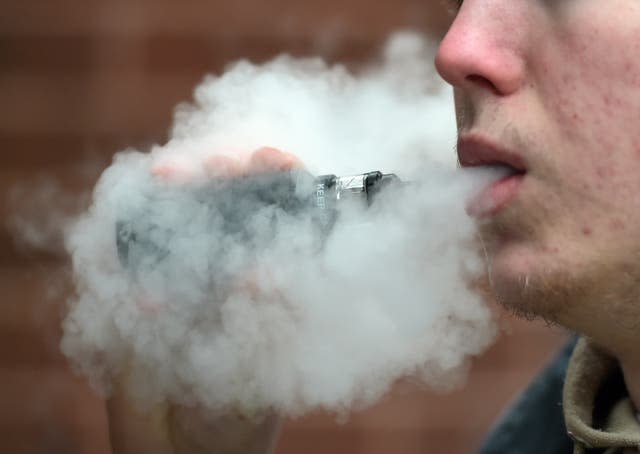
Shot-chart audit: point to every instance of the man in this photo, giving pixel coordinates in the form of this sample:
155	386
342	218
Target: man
550	89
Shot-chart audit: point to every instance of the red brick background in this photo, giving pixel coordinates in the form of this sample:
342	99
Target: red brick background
80	79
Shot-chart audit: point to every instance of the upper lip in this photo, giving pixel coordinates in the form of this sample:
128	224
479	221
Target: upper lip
475	150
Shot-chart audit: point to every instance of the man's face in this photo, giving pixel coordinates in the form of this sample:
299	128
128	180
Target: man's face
552	88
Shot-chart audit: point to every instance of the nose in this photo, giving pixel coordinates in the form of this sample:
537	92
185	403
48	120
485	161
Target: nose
483	49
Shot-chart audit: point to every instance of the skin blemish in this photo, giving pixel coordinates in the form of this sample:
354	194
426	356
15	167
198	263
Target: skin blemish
586	231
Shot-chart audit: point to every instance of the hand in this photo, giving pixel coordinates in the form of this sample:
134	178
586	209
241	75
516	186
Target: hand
262	160
176	429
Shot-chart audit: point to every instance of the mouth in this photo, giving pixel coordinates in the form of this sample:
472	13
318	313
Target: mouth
477	151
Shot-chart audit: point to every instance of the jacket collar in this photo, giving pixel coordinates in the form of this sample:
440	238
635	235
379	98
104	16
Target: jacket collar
590	369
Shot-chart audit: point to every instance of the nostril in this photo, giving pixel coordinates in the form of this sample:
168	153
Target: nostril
482	82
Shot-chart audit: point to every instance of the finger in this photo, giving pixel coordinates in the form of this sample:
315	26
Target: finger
219	166
173	170
267	159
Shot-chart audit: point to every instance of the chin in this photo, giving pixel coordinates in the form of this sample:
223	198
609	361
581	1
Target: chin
528	265
528	288
511	266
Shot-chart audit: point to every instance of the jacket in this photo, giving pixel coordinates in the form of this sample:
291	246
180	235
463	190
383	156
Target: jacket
577	405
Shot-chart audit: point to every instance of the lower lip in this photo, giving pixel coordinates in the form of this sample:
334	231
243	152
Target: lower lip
495	197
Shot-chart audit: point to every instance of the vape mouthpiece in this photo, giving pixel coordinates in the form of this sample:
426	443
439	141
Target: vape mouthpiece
331	189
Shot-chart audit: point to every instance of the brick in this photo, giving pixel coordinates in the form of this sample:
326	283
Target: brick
31	309
109	103
49	410
356	17
23	194
341	440
44	52
35	154
82	54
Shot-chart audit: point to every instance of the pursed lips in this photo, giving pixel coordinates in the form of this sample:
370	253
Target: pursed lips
475	150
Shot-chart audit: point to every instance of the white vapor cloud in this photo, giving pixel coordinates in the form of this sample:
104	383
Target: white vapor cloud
268	315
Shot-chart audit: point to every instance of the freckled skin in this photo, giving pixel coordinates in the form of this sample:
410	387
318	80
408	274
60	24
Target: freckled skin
558	83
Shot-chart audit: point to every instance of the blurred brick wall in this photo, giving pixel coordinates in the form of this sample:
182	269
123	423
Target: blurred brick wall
80	79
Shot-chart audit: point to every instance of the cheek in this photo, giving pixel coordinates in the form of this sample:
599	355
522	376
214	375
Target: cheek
595	124
590	81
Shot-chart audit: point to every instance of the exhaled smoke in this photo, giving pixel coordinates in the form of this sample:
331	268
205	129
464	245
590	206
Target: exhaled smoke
41	211
232	301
